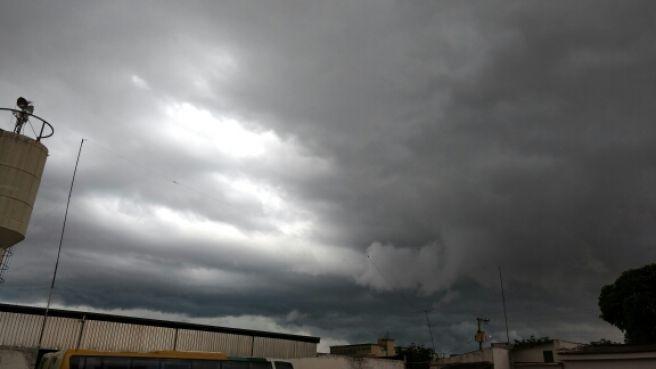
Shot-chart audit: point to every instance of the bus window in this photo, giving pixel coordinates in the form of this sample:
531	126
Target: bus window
92	362
175	364
115	363
284	365
76	362
235	365
205	364
144	363
261	365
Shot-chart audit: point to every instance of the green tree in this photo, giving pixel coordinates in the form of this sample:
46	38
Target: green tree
630	304
415	356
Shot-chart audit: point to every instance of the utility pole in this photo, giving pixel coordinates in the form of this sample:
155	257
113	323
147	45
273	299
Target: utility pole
480	333
503	301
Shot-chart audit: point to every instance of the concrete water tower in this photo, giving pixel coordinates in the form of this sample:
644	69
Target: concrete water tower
22	159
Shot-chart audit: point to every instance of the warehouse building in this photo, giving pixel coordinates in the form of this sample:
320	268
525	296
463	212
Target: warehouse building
20	326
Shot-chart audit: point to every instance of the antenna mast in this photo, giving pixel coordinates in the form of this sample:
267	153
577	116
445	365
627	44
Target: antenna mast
430	331
503	301
61	241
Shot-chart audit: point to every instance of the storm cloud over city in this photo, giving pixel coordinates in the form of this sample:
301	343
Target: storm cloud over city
337	168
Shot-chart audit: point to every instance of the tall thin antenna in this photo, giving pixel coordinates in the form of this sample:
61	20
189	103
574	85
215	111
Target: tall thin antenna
61	240
430	330
503	301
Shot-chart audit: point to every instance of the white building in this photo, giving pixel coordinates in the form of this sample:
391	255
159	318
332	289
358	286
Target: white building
610	357
539	355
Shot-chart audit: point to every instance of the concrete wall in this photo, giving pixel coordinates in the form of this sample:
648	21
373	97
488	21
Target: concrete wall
470	357
534	354
563	345
627	364
345	362
17	358
500	358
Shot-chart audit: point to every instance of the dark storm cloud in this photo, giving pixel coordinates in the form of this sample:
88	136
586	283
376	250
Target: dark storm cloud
440	138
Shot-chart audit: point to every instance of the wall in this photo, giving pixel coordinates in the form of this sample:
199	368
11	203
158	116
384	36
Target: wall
634	360
627	364
17	358
22	330
501	358
469	357
365	349
532	354
563	345
345	362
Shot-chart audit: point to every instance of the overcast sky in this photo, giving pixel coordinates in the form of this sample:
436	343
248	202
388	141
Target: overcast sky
335	168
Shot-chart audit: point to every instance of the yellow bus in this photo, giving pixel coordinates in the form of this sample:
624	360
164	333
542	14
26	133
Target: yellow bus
88	359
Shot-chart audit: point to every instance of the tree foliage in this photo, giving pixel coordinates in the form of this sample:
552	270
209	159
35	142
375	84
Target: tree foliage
415	356
531	341
630	304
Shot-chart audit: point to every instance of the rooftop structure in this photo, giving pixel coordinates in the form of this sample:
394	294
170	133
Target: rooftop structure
68	329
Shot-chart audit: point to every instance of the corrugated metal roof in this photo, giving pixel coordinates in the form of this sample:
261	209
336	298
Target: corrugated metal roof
33	310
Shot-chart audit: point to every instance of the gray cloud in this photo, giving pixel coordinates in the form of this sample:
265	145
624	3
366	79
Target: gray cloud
248	160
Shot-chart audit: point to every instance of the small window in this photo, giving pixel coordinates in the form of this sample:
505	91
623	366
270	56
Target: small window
92	362
76	362
116	363
284	365
548	356
235	365
144	363
205	364
175	364
261	365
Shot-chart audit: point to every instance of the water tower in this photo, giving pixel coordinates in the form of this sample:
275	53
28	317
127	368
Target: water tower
22	159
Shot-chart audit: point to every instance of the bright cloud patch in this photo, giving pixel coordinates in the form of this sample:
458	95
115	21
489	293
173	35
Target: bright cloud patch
139	82
203	134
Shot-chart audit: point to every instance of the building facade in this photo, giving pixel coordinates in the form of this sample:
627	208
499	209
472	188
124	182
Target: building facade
610	357
541	355
383	348
21	326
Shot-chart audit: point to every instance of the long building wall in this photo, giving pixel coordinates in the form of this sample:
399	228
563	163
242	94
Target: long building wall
23	329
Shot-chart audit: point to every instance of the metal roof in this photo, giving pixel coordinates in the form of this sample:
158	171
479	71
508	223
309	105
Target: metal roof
33	310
